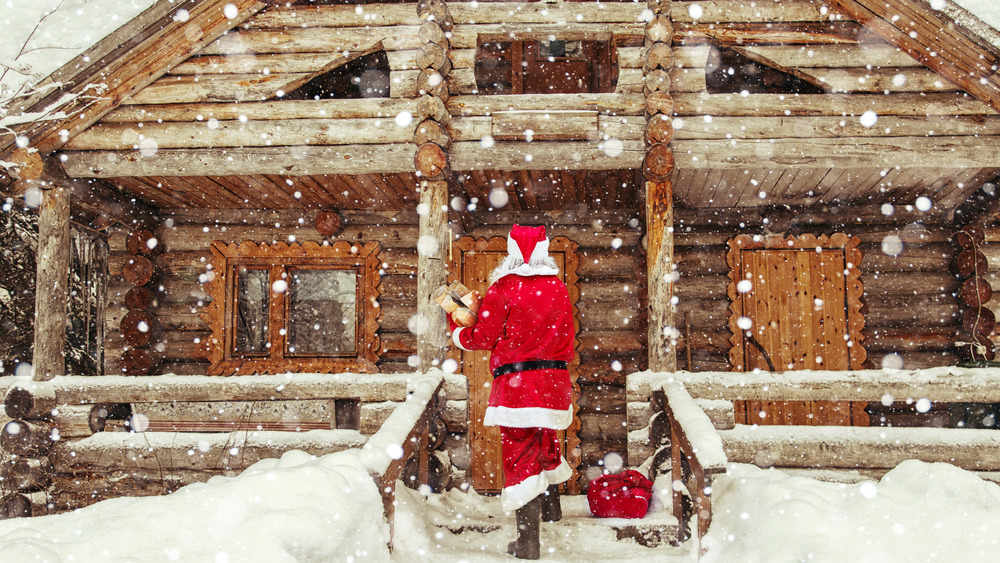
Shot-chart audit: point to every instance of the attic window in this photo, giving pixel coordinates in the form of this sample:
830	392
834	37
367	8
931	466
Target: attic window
364	77
543	66
729	72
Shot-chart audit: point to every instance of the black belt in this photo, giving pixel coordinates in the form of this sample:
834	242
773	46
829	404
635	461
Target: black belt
528	366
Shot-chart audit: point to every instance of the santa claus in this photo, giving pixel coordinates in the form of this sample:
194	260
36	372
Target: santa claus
526	321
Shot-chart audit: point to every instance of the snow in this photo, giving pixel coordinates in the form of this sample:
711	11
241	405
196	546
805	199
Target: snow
305	509
297	508
916	512
65	28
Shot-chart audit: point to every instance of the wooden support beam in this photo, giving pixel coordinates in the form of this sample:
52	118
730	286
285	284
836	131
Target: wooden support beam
433	247
658	168
52	285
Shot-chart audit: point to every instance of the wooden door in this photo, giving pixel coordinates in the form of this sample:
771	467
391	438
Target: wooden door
796	305
472	260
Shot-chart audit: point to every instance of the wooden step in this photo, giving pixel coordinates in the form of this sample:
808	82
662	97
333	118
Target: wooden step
658	528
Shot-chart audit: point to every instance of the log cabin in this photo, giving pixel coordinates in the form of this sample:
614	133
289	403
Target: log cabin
267	188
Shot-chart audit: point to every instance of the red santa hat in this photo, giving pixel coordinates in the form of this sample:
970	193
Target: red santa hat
528	243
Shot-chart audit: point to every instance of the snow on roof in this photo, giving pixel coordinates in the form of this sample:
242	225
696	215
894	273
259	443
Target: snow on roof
43	35
986	10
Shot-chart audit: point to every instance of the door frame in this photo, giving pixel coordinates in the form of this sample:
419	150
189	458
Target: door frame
568	248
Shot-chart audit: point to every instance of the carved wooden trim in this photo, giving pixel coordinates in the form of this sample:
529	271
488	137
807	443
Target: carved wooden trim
853	288
361	257
568	248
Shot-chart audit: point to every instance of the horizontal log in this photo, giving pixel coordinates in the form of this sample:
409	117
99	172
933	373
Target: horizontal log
282	63
602	399
300	160
858	447
509	155
76	390
848	152
761	105
193	238
605	104
262	111
602	427
214	133
831	56
883	79
498	12
170	450
807	126
949	384
314	40
234	88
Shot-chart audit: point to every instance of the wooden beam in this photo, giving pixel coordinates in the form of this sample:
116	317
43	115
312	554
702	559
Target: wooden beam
248	133
858	447
846	152
124	63
736	105
934	39
52	285
433	247
295	161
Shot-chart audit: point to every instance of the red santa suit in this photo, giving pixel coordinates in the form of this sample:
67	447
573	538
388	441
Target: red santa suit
526	320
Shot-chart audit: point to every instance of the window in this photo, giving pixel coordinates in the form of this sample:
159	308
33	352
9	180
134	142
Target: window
290	307
544	66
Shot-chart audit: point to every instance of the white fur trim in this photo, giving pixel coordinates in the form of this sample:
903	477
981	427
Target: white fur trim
516	496
528	417
457	340
560	474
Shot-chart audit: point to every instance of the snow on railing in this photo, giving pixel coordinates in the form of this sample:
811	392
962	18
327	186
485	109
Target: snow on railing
405	431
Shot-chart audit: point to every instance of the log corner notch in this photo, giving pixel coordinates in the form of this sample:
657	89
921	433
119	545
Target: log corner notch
431	162
658	166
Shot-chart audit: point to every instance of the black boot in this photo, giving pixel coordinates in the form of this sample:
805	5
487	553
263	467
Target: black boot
551	508
526	546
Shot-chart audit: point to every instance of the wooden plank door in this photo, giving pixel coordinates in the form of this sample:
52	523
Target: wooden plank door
471	263
796	305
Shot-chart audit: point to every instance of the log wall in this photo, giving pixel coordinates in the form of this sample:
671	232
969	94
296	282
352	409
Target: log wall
911	313
180	295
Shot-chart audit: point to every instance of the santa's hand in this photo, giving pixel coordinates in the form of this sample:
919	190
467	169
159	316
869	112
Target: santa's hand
452	325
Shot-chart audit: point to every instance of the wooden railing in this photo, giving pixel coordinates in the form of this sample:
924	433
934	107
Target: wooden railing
55	446
700	450
405	432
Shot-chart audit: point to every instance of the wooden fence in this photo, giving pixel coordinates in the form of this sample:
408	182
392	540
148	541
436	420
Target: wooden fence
75	440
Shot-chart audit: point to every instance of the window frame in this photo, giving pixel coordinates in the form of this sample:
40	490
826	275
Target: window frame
279	258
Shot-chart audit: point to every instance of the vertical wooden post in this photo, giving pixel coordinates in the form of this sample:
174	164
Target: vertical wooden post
52	285
432	272
658	168
431	162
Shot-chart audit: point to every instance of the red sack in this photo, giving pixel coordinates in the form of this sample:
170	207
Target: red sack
624	495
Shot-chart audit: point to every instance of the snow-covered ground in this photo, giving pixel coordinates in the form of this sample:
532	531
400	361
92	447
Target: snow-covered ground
306	509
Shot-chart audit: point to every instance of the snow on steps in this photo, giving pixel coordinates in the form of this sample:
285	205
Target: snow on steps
482	525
